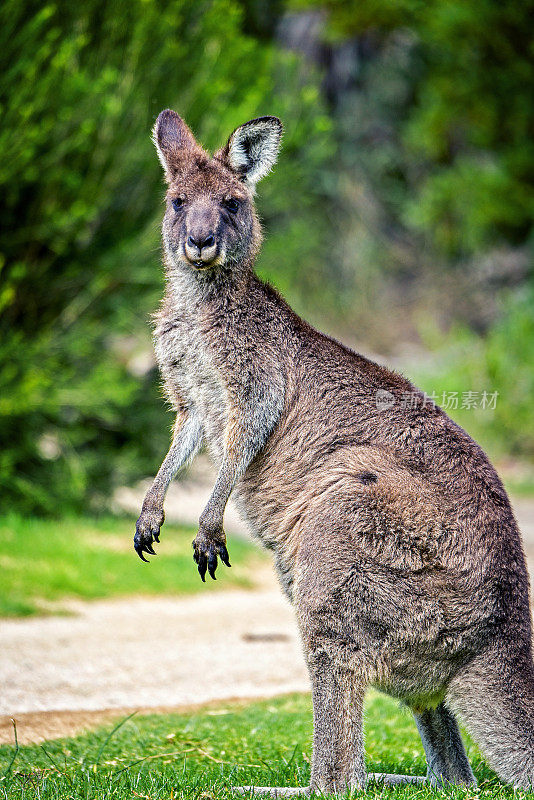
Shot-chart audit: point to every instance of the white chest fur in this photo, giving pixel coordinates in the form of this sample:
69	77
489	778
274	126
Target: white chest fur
191	377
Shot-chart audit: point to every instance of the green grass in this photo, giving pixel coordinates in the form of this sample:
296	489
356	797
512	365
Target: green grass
44	563
203	754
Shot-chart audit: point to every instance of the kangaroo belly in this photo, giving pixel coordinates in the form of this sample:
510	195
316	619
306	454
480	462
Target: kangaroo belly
375	560
377	509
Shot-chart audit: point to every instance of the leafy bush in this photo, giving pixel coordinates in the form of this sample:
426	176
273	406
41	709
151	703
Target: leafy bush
434	123
447	120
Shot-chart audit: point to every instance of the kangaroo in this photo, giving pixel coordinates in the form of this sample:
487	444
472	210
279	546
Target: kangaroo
391	532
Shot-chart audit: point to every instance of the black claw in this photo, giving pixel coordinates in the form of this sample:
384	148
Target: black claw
139	551
224	556
202	566
156	537
149	549
212	564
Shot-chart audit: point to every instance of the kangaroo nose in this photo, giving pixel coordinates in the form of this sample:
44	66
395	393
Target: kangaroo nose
200	242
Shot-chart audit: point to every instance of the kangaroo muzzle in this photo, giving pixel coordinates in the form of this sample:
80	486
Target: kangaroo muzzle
201	249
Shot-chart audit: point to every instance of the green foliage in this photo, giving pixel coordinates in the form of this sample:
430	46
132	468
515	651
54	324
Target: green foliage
437	163
472	124
418	169
455	127
499	362
80	188
205	753
47	562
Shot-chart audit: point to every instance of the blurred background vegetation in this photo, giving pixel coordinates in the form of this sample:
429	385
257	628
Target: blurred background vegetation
399	217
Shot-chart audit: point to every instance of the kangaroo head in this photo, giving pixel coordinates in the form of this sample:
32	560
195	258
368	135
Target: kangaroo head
209	220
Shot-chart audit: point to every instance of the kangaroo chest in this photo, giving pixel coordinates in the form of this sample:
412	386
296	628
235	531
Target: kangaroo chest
191	377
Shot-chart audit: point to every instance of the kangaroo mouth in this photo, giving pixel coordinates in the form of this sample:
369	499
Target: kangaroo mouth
201	265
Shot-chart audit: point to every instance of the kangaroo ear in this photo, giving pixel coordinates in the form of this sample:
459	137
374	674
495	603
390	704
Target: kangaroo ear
172	137
252	149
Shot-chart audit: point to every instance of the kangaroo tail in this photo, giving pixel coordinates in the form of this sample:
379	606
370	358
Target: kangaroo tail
494	696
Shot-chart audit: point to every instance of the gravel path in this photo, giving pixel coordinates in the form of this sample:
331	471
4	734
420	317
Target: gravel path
63	673
148	652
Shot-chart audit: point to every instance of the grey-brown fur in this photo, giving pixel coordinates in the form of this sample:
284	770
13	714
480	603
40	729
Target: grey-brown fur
390	530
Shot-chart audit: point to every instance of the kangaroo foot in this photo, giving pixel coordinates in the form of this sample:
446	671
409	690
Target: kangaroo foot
295	791
391	780
273	791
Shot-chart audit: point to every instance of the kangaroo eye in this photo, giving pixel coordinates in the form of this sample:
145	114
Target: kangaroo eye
231	204
178	203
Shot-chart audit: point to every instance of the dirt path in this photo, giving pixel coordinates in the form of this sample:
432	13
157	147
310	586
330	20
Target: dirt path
145	653
60	674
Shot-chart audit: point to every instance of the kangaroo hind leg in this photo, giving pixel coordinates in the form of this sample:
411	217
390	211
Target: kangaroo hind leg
444	750
338	754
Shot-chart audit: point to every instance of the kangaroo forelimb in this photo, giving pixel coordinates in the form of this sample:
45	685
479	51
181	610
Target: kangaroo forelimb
186	441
